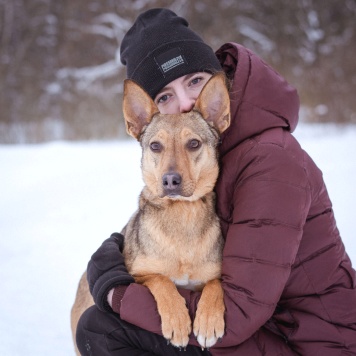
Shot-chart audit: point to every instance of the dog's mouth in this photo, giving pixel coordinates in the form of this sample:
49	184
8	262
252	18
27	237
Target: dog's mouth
173	196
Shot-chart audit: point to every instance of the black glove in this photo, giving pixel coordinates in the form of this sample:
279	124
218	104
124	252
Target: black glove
107	269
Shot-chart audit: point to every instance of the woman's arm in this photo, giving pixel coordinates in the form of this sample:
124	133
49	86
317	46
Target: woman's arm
106	270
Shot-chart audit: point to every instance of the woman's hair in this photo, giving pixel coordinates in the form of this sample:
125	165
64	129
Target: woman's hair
228	81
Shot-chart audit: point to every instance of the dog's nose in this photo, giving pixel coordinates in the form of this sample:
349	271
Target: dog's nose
171	181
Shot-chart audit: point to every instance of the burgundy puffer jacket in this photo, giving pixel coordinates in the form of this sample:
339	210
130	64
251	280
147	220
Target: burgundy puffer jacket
288	282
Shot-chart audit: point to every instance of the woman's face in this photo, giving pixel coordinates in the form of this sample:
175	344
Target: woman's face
181	94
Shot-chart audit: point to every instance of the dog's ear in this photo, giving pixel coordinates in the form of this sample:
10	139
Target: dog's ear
214	102
138	108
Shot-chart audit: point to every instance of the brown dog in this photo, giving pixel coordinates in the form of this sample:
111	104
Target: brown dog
174	238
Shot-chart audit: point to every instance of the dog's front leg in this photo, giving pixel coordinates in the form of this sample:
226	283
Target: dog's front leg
176	323
209	319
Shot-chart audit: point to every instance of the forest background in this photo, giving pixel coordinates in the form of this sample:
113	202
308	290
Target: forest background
61	76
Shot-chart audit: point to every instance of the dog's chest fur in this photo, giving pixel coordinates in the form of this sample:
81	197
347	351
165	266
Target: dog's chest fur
179	239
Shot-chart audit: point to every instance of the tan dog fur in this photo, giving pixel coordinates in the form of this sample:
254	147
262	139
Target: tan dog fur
174	237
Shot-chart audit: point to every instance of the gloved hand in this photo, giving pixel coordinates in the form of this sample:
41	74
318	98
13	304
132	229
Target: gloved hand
107	269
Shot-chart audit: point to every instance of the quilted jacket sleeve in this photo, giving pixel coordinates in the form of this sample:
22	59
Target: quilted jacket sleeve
271	200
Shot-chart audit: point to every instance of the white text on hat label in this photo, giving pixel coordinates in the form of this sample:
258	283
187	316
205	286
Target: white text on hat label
174	62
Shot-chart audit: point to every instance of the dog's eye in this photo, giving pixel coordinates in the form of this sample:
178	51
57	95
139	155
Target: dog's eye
156	146
194	144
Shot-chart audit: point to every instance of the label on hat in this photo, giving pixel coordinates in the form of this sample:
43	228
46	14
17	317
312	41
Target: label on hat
170	59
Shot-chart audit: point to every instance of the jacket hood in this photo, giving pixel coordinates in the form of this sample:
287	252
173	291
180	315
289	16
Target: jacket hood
261	99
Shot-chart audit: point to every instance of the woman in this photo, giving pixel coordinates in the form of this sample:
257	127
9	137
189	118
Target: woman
289	287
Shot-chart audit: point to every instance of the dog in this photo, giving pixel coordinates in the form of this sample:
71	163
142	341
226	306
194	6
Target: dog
174	238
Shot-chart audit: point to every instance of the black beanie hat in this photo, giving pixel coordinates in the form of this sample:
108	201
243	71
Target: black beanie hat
160	48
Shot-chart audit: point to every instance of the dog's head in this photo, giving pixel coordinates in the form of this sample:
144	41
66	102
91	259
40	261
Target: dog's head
179	159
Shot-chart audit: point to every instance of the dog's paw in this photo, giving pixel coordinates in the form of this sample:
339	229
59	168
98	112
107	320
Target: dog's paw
176	323
209	324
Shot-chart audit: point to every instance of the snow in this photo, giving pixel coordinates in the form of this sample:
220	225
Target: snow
60	200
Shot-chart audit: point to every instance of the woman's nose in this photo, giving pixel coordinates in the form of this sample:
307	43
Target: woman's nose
186	103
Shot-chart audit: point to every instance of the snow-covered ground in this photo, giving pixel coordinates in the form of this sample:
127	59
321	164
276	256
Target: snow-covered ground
59	201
